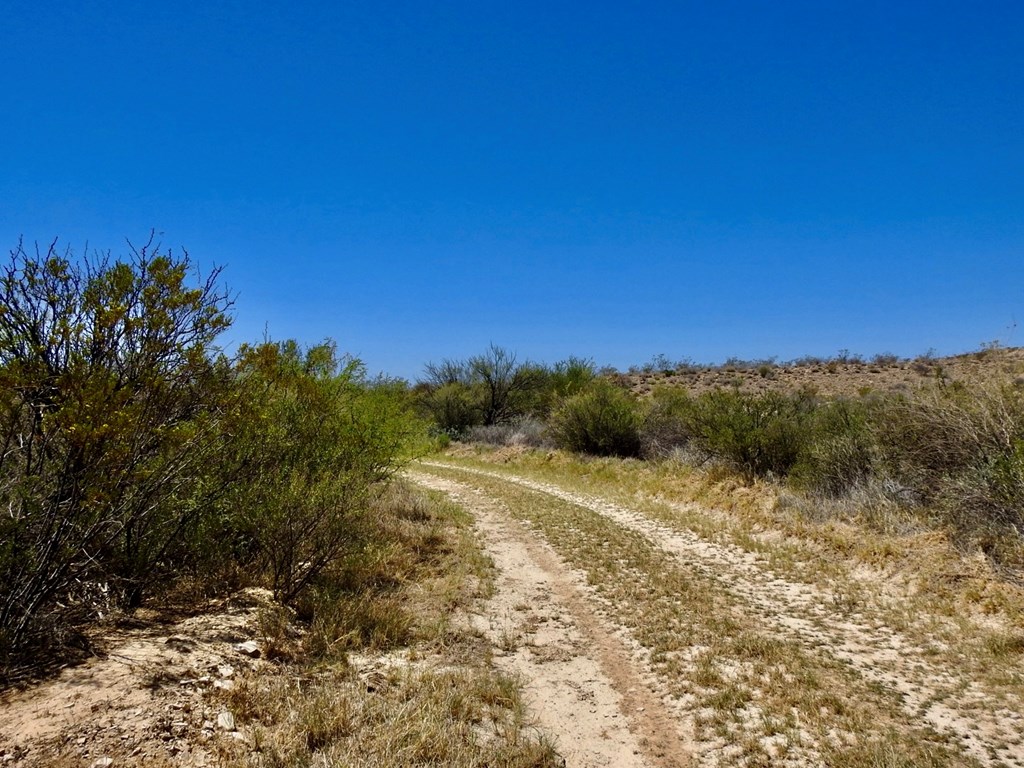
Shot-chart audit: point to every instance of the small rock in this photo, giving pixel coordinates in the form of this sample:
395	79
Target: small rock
103	762
226	721
226	670
224	685
249	648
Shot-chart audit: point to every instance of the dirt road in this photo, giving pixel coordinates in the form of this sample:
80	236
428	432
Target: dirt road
581	678
646	644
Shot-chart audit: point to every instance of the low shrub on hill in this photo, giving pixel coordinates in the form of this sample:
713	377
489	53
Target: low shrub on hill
603	420
759	435
665	429
839	452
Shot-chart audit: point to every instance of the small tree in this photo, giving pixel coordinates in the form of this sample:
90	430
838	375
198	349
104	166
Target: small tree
310	446
110	400
504	386
491	388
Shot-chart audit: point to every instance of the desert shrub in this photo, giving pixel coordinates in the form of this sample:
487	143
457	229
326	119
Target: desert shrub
110	395
760	435
603	420
885	359
840	452
452	408
495	434
311	442
561	381
946	430
493	390
664	429
960	450
489	388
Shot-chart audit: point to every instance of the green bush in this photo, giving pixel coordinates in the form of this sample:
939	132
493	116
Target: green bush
603	420
312	443
134	454
665	426
110	395
840	451
452	407
759	435
493	389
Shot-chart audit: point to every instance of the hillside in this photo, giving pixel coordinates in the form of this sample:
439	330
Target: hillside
848	377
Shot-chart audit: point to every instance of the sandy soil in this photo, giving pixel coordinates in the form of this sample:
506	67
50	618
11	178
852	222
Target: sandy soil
155	696
147	701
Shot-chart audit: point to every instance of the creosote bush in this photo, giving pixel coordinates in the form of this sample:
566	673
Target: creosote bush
840	452
603	420
135	453
312	441
110	395
759	435
664	430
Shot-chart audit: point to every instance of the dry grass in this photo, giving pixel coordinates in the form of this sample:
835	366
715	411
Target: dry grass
406	716
758	696
813	540
383	673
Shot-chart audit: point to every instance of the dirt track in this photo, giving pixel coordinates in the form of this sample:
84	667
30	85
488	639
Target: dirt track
581	678
888	690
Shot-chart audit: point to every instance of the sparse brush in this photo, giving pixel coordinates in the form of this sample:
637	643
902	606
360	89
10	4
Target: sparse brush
524	431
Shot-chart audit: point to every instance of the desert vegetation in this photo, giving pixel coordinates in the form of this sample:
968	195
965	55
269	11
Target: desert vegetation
947	451
712	518
139	459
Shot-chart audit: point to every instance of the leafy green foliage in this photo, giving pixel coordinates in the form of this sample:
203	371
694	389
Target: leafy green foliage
602	420
494	389
840	452
758	434
665	426
134	453
109	391
312	443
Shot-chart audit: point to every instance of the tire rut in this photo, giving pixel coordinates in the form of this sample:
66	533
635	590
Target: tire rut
581	680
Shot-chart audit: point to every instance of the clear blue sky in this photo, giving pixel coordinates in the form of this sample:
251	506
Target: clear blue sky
610	180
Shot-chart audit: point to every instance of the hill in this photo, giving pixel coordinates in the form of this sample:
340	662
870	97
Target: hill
839	376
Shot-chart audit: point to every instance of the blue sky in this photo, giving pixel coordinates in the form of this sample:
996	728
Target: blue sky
608	180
